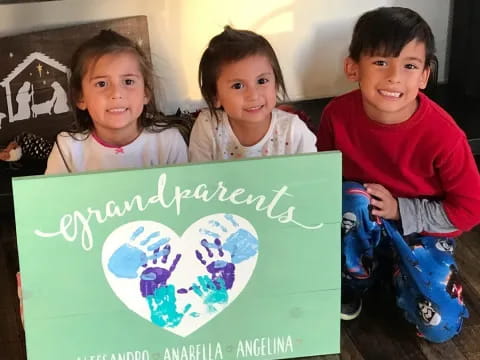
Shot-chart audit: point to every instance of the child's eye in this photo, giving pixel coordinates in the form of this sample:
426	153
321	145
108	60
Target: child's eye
237	86
411	66
101	83
380	63
129	82
263	81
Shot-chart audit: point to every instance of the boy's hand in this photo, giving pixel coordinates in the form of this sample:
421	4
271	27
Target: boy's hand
384	204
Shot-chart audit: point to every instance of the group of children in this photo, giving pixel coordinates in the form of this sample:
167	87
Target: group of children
118	126
411	182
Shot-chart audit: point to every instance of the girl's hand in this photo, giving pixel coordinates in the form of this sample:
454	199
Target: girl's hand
384	204
20	296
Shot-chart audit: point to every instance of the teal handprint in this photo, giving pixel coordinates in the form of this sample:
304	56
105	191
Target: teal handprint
211	291
163	307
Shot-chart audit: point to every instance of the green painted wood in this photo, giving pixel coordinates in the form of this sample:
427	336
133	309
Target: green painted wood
287	302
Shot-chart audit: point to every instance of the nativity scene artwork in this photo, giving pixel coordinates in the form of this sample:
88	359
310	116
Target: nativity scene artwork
35	87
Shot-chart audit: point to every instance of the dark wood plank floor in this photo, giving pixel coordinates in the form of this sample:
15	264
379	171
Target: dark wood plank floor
380	332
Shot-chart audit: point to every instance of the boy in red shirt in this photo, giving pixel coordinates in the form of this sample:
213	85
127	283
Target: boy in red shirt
412	181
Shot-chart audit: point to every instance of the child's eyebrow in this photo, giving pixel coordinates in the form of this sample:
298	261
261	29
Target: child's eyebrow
107	76
265	74
414	58
132	74
235	80
259	75
97	77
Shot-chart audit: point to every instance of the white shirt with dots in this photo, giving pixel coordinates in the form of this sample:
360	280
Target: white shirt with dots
214	140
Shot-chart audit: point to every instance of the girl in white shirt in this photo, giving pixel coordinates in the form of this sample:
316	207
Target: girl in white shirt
240	79
116	123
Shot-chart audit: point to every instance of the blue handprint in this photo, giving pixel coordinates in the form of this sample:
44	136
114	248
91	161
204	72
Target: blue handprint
163	307
242	244
126	261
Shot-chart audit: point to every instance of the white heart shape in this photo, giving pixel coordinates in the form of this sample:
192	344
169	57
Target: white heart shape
180	283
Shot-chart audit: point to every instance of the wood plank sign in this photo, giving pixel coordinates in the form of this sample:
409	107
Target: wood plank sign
224	260
34	74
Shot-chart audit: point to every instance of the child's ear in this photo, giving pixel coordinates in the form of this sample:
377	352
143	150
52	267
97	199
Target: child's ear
424	79
81	104
350	67
146	97
217	104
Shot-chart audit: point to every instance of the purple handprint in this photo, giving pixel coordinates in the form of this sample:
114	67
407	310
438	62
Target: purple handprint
218	269
154	277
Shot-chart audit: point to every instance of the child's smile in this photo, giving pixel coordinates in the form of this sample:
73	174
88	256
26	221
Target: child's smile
117	110
390	94
254	108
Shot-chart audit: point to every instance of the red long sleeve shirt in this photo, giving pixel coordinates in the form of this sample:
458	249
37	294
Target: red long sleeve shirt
427	156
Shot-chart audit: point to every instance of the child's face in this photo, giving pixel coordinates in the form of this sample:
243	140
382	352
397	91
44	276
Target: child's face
246	90
390	85
113	92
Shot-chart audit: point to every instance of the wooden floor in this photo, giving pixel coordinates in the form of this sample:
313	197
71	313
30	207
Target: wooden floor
379	333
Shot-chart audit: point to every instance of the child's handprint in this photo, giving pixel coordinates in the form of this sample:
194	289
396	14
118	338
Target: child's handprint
128	258
163	307
241	244
157	274
211	291
155	277
219	269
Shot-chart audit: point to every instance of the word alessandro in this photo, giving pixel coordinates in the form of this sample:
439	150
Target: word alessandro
78	223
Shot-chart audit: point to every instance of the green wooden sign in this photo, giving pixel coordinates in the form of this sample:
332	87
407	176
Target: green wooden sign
224	260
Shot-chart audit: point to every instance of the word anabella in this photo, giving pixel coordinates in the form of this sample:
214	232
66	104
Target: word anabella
257	347
77	222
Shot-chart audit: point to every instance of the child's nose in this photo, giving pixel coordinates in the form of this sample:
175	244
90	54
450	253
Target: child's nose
116	91
393	74
252	93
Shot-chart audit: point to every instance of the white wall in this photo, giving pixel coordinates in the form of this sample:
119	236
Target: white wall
310	37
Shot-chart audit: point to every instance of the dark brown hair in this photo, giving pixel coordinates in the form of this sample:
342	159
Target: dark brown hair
386	30
229	46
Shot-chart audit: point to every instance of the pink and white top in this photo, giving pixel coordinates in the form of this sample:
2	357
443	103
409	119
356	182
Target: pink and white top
88	153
